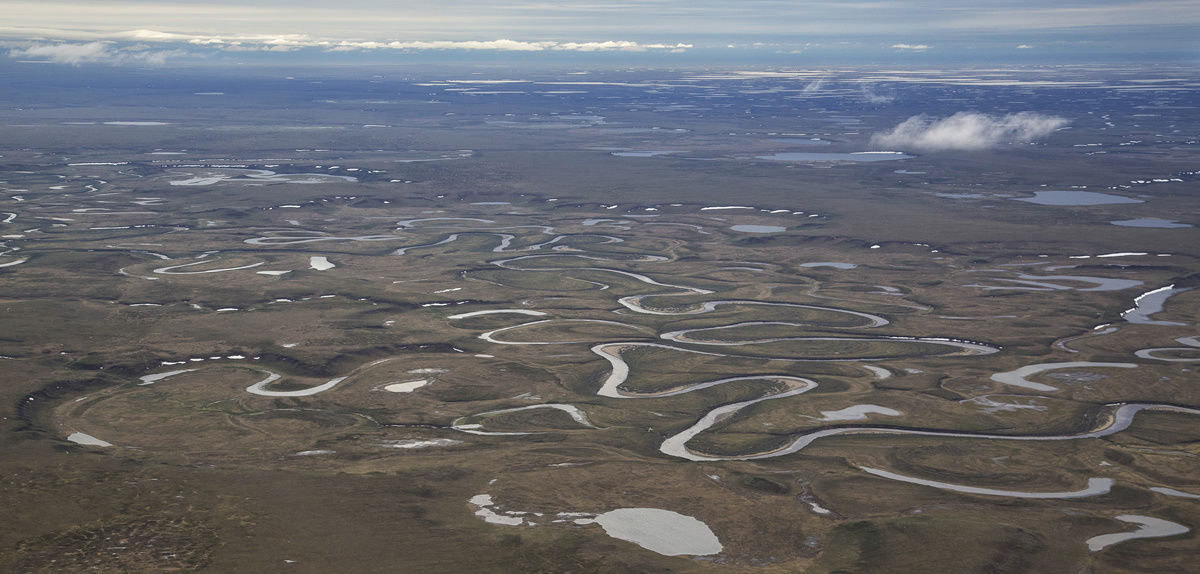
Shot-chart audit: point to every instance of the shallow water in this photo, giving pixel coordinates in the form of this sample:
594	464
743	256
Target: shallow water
662	531
833	264
1017	378
1095	487
643	153
405	387
1173	492
86	439
1151	223
151	379
1151	528
320	263
1152	302
1075	198
259	388
858	413
497	311
758	228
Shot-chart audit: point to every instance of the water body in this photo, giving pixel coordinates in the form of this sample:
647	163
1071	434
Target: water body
575	413
171	270
151	379
857	413
412	443
262	176
277	239
405	387
498	311
1151	223
1043	283
412	222
633	303
1122	418
1151	528
798	141
858	156
643	153
1152	302
1173	492
86	439
483	501
259	388
972	348
1075	198
320	263
1017	378
834	264
758	228
677	445
662	531
1193	344
1095	487
489	336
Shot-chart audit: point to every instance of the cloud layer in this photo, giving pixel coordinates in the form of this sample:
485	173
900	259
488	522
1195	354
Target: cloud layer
93	52
968	131
107	50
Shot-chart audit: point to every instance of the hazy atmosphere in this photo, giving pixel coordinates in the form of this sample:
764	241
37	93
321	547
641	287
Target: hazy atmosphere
1014	30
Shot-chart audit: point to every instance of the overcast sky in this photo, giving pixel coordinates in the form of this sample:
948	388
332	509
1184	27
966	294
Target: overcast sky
145	31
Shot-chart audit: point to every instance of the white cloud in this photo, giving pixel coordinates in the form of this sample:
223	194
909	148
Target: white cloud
102	50
912	47
92	53
968	131
813	86
1024	47
868	95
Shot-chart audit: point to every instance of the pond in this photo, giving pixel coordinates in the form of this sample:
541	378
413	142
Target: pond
1151	222
758	228
1075	198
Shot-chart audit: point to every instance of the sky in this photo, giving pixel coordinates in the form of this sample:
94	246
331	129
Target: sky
157	32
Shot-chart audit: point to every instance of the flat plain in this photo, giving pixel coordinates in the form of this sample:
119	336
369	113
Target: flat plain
286	321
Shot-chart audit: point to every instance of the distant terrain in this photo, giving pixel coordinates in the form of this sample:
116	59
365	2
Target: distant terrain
572	320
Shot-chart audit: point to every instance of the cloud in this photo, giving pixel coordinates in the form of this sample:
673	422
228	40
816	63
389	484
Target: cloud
1024	47
92	53
503	45
813	86
912	47
867	94
968	131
